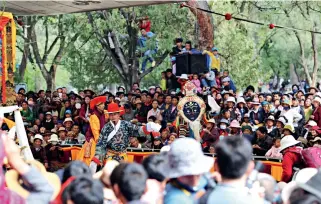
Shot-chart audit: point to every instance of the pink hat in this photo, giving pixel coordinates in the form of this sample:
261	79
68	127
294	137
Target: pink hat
235	124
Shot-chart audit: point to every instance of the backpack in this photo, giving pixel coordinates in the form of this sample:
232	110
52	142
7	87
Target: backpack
312	157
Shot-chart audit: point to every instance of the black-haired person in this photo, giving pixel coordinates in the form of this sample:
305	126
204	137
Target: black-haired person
179	46
83	189
128	181
170	114
234	163
263	142
154	164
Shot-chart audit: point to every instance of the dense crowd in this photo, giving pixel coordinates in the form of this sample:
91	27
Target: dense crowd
236	125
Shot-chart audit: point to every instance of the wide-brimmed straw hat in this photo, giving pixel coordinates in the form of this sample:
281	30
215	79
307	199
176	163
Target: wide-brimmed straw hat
212	120
186	157
288	141
14	183
289	127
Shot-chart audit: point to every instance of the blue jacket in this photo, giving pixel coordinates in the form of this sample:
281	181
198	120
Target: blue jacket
175	194
260	116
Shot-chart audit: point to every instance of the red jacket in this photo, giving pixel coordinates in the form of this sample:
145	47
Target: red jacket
291	157
317	116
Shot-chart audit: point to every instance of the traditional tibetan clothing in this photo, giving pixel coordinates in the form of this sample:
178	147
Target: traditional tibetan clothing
97	122
114	140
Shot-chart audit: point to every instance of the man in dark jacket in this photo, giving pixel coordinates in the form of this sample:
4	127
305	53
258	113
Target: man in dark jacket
171	81
263	142
211	135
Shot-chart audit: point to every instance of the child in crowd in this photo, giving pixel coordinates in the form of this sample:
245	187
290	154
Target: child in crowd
246	120
274	152
197	82
163	81
182	80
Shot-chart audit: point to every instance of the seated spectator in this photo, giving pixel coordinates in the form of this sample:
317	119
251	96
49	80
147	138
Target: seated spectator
197	82
211	135
248	133
246	120
140	113
134	143
155	111
188	48
274	152
235	128
186	173
208	79
62	133
165	136
182	80
256	115
226	73
54	154
39	152
234	163
263	142
48	123
26	113
129	113
316	142
71	138
78	135
291	157
128	181
157	144
68	123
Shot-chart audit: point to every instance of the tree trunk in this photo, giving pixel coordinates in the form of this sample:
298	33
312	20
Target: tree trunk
293	76
315	58
205	23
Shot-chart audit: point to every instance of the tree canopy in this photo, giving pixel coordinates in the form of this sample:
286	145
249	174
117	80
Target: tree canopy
251	52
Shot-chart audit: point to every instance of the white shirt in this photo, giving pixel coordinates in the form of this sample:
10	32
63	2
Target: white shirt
292	115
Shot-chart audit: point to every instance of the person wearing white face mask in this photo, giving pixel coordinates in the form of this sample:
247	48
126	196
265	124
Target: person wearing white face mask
54	154
223	128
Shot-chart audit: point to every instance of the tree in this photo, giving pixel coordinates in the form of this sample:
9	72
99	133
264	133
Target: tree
58	28
119	26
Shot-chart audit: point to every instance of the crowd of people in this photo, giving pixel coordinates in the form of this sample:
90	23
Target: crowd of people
235	126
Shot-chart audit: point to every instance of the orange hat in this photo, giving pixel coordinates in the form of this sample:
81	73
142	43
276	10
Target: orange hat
114	108
96	101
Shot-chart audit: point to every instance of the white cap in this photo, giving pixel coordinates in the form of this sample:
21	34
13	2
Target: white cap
230	99
184	76
38	136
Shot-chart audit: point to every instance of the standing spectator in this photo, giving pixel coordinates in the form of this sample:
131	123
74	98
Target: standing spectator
179	46
234	163
163	81
317	110
186	173
196	82
214	61
128	181
170	114
171	81
291	157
